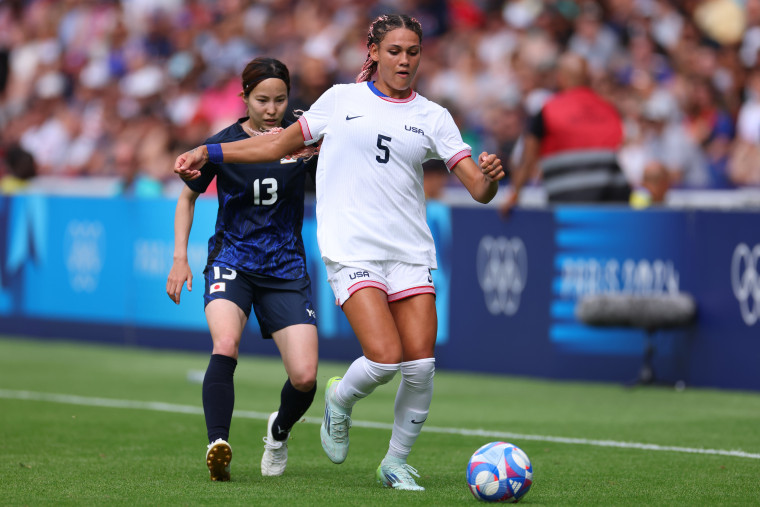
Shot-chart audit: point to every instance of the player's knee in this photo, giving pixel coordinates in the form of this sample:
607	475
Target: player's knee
227	346
419	349
384	355
385	358
304	381
418	375
380	373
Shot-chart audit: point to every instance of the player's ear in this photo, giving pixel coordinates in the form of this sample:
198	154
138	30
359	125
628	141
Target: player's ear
374	52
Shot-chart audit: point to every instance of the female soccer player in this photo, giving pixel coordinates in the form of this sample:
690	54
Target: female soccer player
255	259
371	227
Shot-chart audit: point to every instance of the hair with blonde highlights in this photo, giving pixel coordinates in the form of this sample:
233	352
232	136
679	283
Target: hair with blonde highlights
377	32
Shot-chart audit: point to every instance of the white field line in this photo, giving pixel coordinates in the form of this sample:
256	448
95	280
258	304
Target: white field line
157	406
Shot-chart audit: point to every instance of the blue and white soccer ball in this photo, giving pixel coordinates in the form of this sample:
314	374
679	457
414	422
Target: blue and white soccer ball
499	472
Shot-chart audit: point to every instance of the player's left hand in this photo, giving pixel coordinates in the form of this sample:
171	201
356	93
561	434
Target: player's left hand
179	274
490	166
188	165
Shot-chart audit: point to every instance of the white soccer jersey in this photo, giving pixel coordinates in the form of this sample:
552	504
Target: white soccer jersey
370	199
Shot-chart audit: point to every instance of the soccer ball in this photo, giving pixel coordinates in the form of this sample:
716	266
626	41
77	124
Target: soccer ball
499	472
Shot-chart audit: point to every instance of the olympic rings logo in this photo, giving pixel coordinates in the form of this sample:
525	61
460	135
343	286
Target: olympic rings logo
745	281
84	254
502	266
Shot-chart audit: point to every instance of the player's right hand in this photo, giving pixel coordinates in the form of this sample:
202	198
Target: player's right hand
188	165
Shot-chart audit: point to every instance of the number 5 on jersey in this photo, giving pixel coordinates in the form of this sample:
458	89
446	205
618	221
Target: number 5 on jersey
386	151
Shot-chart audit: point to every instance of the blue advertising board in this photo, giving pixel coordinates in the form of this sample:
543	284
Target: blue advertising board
500	293
96	269
725	253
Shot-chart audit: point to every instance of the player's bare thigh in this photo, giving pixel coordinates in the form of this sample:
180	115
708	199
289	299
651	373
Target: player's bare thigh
417	324
225	322
371	319
298	345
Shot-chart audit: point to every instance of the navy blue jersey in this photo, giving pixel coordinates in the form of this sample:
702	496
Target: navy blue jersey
258	225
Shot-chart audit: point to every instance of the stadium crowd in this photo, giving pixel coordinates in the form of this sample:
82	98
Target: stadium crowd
119	87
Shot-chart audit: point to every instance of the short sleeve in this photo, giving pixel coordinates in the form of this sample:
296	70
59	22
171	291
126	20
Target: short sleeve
314	121
448	144
209	171
200	184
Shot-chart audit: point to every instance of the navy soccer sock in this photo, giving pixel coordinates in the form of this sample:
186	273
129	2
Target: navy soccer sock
293	405
219	396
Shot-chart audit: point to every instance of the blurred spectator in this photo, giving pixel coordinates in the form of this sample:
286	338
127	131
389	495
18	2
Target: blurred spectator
313	79
666	22
744	163
574	139
435	178
503	123
721	20
143	157
655	183
592	39
19	170
536	56
642	66
710	127
750	45
78	77
663	137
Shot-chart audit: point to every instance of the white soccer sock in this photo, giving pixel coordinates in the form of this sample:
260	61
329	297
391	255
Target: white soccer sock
361	378
412	405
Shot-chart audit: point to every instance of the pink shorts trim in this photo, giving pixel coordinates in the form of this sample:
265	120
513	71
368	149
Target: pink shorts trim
369	283
411	292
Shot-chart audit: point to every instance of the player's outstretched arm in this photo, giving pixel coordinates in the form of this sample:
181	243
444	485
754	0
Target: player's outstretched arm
264	148
480	179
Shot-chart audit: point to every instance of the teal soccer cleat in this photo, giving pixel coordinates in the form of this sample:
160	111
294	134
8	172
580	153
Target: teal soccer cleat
397	476
335	425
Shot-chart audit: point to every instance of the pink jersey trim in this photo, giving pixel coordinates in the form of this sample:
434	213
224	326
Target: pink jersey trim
373	89
305	132
425	289
453	161
400	101
365	284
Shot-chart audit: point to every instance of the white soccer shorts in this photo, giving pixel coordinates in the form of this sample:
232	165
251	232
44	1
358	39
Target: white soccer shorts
398	280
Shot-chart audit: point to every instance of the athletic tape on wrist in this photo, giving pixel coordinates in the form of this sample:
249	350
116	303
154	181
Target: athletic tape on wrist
215	155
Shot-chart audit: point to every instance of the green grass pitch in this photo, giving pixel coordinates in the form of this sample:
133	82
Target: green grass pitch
85	424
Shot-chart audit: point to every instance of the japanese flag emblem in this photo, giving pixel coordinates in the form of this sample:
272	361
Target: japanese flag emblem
217	287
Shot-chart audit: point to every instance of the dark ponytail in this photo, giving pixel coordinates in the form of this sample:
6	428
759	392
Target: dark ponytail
260	69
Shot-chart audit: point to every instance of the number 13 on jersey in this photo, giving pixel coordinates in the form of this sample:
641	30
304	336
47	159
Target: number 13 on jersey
269	186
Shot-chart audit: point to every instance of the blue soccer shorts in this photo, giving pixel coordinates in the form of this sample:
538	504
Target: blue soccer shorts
276	302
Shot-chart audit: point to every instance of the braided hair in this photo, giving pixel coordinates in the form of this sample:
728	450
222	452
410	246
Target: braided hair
377	32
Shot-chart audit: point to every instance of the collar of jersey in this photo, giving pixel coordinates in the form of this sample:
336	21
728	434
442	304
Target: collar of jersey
373	89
